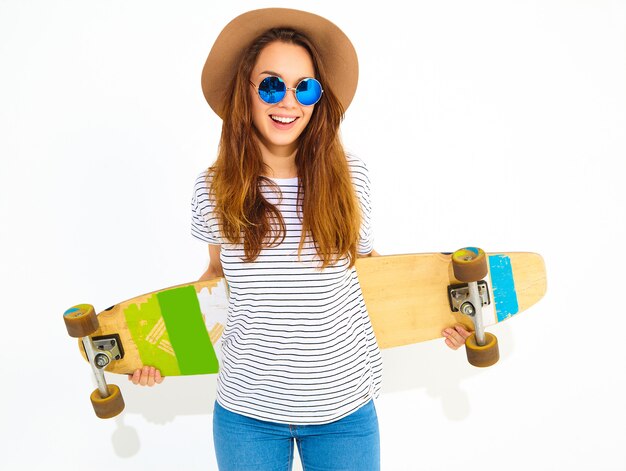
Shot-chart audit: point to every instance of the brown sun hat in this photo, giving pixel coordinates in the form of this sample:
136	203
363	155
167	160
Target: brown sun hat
336	50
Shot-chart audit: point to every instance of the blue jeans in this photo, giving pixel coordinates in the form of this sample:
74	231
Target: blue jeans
246	444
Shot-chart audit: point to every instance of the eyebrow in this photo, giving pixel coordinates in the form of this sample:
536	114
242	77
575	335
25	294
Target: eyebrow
271	72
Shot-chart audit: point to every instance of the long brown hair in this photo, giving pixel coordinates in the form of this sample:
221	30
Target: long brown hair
330	209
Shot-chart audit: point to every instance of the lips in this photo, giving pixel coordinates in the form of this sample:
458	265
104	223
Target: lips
283	119
283	123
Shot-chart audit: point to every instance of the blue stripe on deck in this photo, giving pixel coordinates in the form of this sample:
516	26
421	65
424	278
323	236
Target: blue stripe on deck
503	286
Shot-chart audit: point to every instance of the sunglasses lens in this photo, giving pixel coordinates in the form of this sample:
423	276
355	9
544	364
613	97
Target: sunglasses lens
272	90
309	91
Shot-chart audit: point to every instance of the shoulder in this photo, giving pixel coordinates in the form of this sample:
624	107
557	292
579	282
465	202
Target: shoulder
202	181
201	189
359	170
203	176
355	163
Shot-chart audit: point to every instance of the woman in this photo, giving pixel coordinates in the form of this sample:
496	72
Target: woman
286	213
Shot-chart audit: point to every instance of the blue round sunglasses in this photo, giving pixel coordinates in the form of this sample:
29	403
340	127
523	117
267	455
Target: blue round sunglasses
272	90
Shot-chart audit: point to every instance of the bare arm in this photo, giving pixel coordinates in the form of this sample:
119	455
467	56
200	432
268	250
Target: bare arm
373	253
215	264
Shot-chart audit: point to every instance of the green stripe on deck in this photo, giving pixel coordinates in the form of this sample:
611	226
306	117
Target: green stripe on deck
187	332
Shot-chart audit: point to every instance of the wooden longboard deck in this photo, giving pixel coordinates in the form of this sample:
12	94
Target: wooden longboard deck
178	330
407	297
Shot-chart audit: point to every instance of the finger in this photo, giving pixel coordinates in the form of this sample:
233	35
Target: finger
135	376
449	341
145	372
459	336
450	344
151	376
158	379
460	328
454	337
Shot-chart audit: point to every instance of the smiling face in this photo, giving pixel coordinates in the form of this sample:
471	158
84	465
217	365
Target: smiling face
279	125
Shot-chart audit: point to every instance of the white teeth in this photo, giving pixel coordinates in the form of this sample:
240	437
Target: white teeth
282	119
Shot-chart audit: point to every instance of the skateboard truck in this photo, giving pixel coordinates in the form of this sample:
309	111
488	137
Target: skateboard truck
81	321
106	348
464	298
98	361
459	298
470	266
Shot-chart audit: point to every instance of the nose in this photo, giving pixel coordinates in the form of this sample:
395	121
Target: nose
289	101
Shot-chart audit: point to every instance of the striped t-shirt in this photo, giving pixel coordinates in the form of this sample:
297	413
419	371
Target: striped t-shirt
298	346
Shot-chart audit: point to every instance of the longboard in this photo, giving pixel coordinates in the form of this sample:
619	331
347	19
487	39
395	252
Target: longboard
410	298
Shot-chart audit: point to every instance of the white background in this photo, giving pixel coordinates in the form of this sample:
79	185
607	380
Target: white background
496	123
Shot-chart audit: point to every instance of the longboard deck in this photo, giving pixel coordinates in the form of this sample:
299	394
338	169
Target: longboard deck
407	299
178	330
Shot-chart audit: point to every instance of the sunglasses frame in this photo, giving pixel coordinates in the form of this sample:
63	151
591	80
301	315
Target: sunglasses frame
294	89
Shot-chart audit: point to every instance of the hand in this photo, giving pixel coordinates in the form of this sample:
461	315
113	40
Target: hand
146	376
455	336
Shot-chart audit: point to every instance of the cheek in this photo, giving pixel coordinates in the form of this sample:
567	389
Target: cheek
308	113
256	107
258	114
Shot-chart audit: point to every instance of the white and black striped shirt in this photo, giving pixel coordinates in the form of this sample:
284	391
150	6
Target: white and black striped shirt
298	347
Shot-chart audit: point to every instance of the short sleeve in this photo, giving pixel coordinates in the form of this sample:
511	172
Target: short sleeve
204	226
362	185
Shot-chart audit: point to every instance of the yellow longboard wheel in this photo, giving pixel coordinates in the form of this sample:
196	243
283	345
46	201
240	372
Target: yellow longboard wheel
469	264
81	320
110	406
482	355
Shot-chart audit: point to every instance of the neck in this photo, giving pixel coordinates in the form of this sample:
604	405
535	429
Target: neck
280	160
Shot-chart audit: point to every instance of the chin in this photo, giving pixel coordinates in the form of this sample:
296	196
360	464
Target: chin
284	140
